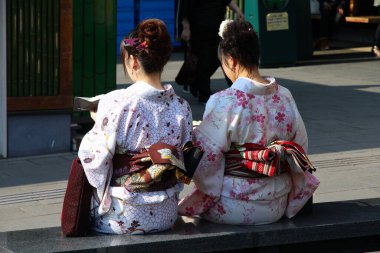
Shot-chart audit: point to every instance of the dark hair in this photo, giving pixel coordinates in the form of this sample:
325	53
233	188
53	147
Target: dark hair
240	41
155	48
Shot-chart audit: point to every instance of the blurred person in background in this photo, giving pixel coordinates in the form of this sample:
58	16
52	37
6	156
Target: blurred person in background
200	24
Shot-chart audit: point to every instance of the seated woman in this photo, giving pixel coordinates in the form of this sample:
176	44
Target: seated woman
254	169
133	154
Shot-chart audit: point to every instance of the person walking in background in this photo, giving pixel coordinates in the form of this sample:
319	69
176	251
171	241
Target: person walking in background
200	23
135	127
376	44
254	140
331	12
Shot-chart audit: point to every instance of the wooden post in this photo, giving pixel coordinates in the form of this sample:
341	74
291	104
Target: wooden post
3	80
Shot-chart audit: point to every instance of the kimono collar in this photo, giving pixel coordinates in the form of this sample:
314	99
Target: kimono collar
146	91
250	86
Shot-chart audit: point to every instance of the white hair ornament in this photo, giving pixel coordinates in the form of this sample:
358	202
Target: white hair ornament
223	27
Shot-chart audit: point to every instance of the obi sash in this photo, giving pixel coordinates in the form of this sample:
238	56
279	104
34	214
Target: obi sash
156	168
254	160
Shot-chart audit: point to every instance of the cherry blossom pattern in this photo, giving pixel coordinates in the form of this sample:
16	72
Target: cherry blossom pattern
280	117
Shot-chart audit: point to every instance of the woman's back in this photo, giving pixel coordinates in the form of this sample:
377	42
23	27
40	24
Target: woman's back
148	116
258	113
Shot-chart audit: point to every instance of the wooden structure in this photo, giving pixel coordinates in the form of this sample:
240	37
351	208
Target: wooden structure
39	60
56	49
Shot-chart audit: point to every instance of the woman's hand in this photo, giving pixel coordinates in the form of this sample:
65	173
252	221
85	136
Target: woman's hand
240	15
186	34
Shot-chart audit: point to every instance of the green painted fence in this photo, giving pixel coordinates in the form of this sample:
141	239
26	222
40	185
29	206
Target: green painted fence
94	35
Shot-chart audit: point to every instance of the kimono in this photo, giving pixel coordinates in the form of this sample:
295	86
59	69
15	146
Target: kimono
247	112
128	121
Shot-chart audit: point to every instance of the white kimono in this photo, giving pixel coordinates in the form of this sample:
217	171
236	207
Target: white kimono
247	112
129	120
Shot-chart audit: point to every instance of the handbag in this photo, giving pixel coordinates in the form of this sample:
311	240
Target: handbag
187	72
75	216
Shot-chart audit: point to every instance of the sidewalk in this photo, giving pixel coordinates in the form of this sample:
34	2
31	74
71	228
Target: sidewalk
339	104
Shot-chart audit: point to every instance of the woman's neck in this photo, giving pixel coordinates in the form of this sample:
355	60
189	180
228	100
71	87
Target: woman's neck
253	75
153	80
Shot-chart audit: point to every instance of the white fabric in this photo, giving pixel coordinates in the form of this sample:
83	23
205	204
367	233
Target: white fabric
247	112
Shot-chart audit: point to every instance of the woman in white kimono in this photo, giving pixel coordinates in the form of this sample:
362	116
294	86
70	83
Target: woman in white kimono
241	121
129	121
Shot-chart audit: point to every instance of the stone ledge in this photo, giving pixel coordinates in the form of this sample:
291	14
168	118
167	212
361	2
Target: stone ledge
346	220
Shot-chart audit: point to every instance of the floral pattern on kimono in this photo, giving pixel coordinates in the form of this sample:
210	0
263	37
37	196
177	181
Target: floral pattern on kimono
129	120
247	112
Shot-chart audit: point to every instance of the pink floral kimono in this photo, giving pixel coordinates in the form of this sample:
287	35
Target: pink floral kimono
248	112
127	121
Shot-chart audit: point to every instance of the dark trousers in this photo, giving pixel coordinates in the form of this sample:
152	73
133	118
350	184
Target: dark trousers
327	25
204	42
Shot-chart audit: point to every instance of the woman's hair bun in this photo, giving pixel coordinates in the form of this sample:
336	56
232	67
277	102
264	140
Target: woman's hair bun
241	42
153	34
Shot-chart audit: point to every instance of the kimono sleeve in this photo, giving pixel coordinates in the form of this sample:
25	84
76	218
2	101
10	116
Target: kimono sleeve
98	146
213	135
304	184
300	136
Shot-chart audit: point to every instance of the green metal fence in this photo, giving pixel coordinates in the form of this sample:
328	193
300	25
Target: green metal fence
94	35
33	48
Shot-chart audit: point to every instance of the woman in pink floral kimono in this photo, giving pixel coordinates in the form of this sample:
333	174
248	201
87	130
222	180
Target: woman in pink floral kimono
254	169
133	154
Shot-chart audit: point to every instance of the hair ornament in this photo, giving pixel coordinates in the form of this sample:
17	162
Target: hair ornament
142	46
135	42
223	27
130	42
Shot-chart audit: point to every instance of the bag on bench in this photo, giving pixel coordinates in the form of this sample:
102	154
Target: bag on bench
75	217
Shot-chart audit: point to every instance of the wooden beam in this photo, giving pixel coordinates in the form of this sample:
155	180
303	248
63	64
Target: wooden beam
36	103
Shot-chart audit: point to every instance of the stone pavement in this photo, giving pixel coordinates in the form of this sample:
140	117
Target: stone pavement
339	103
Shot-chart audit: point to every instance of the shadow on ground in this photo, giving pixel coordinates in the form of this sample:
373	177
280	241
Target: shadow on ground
337	118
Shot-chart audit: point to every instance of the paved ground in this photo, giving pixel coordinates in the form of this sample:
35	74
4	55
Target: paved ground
338	101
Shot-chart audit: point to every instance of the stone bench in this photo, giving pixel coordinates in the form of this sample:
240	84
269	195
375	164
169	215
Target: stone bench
332	227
